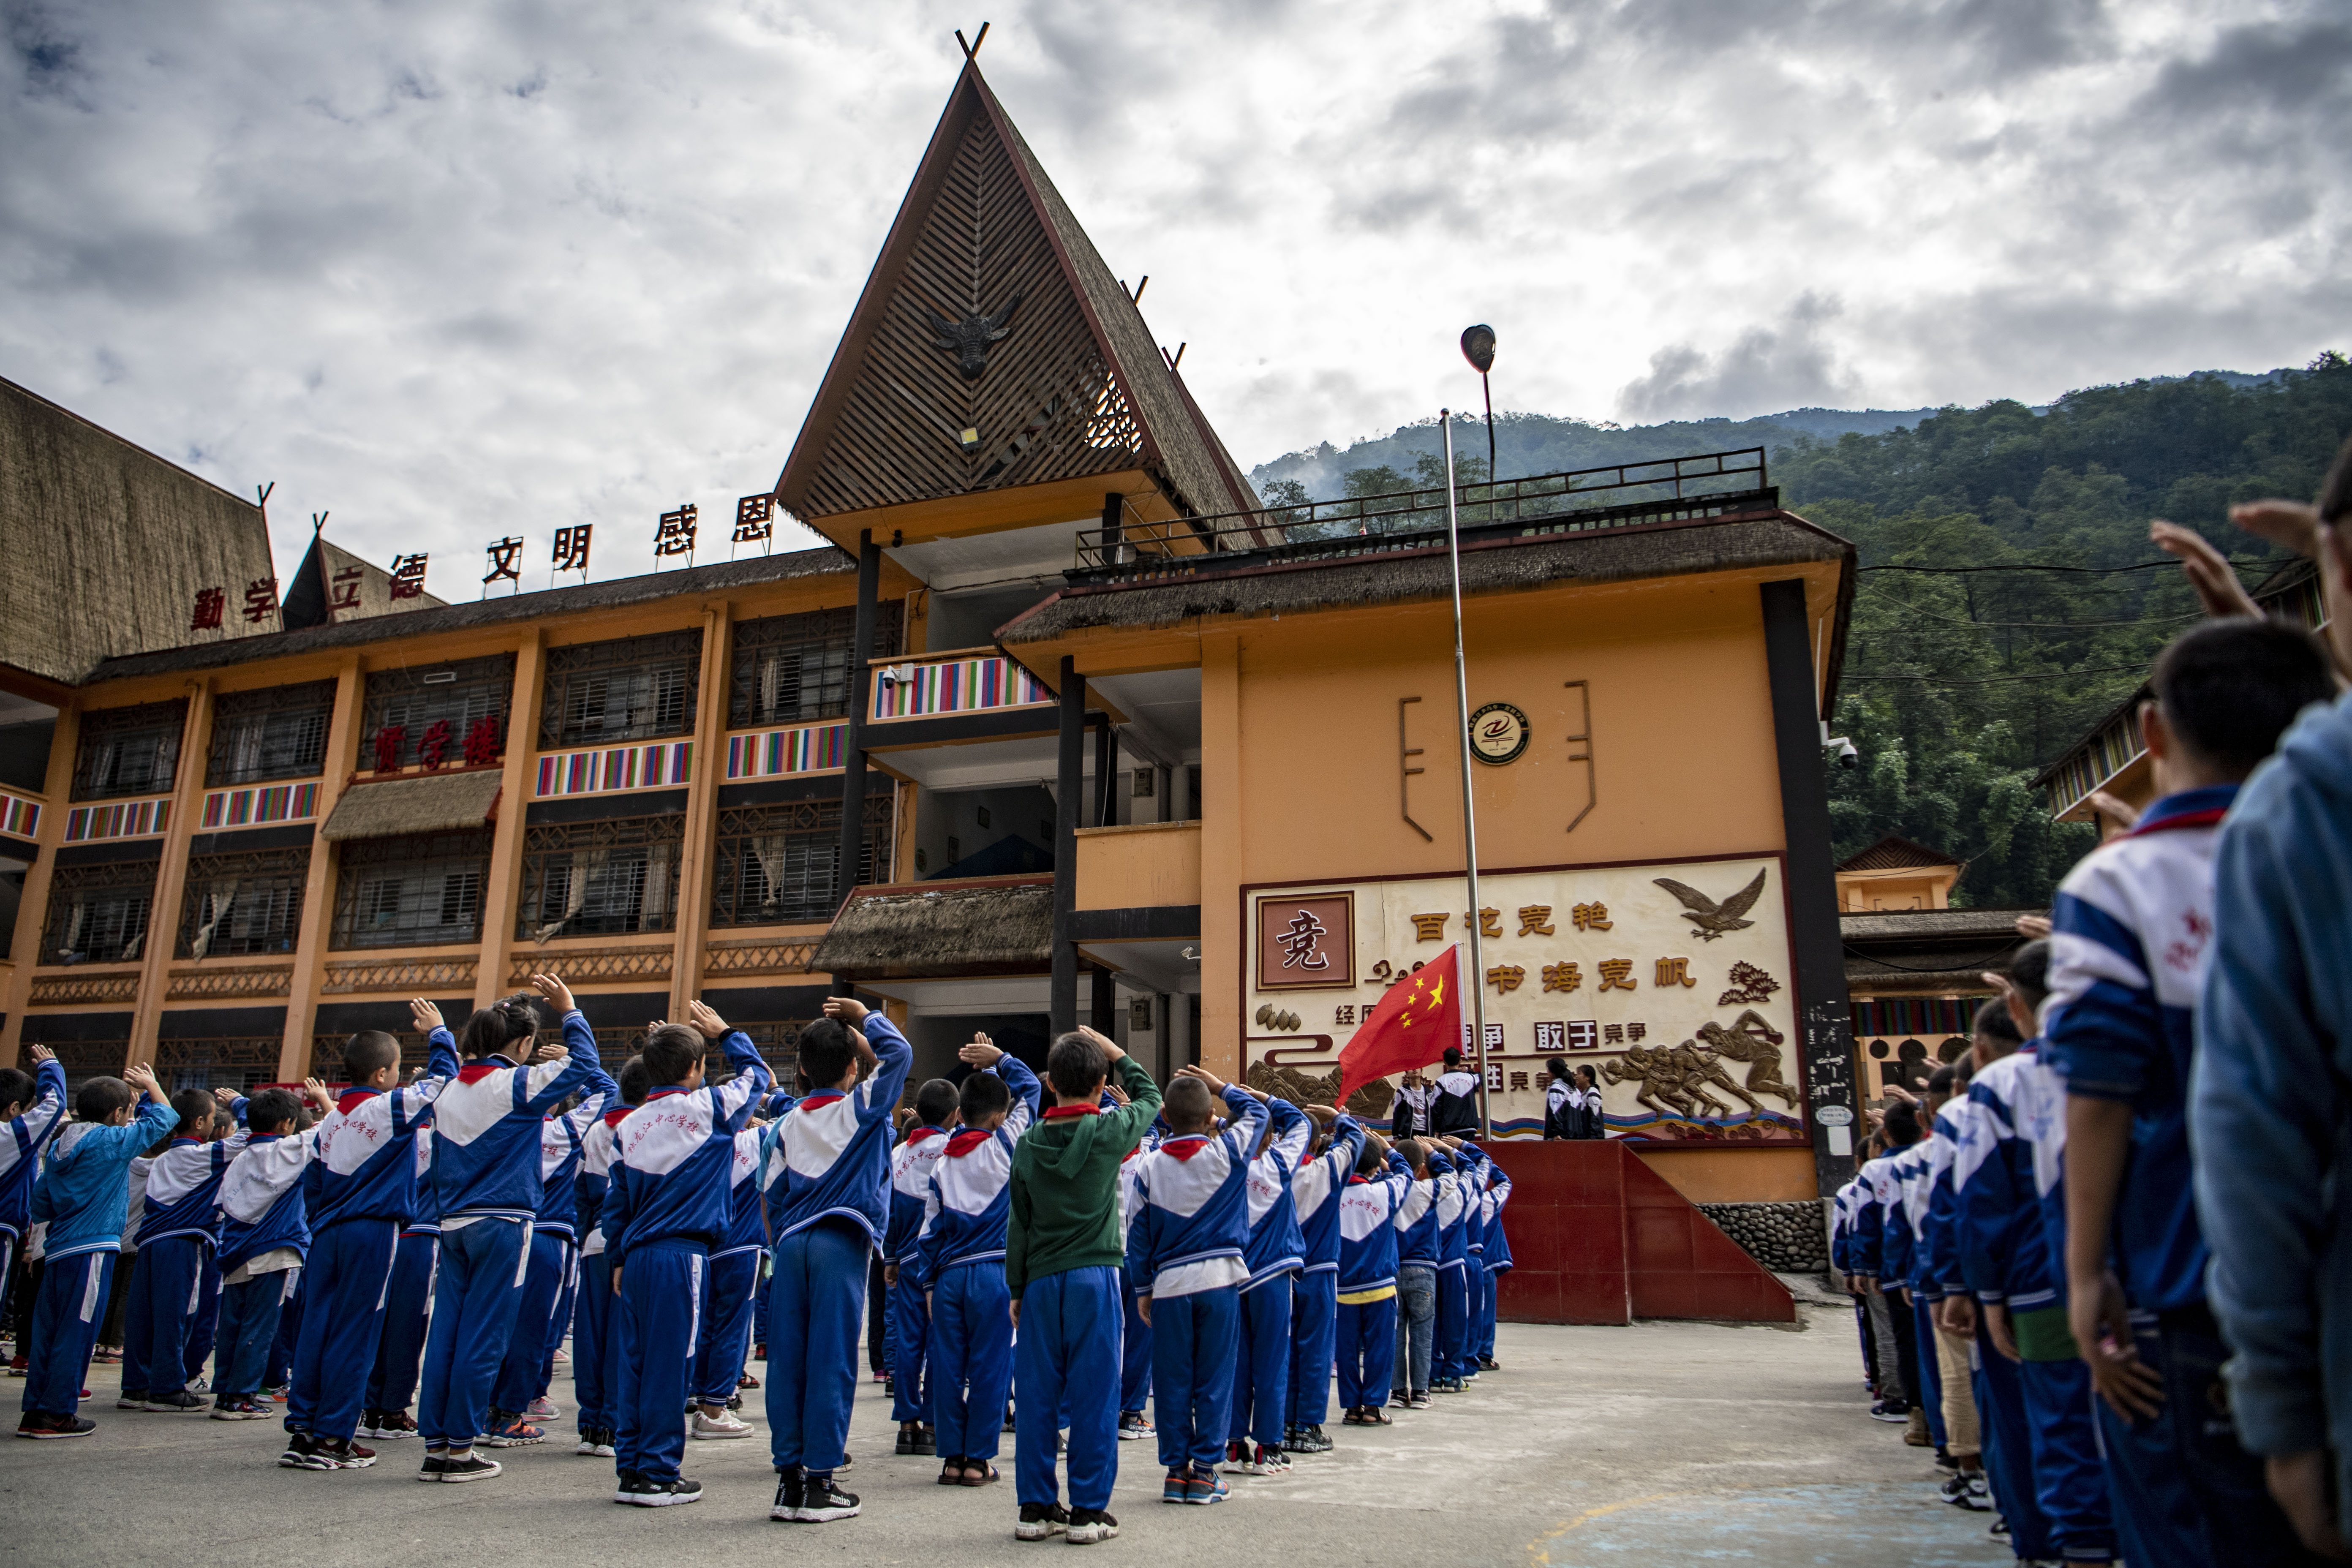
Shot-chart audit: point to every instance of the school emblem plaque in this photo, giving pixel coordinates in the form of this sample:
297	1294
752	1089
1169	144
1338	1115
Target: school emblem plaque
1498	733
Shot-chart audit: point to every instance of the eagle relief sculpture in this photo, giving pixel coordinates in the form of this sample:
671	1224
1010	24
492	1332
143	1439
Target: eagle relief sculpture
1713	919
971	339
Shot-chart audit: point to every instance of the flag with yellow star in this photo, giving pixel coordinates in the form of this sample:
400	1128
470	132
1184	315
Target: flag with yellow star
1411	1027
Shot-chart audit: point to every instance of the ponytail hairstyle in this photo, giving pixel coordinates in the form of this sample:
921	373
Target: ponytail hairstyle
504	1028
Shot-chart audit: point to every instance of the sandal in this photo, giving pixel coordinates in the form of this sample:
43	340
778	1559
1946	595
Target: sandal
988	1479
1355	1417
1375	1417
952	1473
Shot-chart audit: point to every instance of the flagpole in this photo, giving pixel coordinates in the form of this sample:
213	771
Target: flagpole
1469	813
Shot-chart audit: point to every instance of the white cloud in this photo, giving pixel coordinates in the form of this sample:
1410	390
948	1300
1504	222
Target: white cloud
455	271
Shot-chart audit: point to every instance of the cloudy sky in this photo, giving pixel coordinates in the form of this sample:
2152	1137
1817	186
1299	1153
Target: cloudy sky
456	269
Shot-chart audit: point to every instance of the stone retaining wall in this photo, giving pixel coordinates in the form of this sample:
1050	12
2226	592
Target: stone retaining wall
1788	1238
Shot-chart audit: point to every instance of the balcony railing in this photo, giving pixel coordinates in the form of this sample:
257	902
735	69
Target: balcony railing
964	682
1620	495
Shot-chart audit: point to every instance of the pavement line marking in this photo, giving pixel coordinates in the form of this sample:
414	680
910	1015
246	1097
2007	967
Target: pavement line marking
1538	1549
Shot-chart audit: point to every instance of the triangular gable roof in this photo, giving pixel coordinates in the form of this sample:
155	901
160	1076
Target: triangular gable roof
1895	852
332	586
1076	386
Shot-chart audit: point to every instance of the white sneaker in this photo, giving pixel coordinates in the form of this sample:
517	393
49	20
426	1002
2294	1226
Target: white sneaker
724	1425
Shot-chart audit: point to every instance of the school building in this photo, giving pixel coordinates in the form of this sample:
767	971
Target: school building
1062	724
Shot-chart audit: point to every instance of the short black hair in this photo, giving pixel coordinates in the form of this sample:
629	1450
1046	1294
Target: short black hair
498	1028
99	1097
1370	1158
15	1087
370	1051
985	1094
1902	1123
936	1100
224	1121
2029	970
671	1053
272	1108
634	1082
826	1052
2230	687
1993	1020
1076	1065
1188	1105
195	1108
1454	1055
1942	1079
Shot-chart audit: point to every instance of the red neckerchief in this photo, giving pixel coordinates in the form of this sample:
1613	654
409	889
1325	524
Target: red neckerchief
476	1072
2186	819
964	1142
353	1097
819	1100
664	1091
187	1139
925	1130
1186	1146
1059	1111
613	1118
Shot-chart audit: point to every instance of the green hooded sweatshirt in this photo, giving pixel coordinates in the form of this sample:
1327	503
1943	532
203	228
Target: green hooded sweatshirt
1064	1187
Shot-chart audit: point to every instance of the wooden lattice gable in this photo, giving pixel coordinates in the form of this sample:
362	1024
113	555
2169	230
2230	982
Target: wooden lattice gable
992	348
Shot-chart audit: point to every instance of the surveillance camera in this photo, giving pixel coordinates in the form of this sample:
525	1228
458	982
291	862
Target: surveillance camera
1842	750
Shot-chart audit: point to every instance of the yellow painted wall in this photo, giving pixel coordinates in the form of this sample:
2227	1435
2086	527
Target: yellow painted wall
1142	866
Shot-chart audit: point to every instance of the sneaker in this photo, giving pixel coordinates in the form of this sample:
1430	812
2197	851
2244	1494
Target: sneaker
723	1424
17	1365
1172	1488
735	1402
472	1468
1489	1364
41	1424
200	1386
302	1453
1089	1525
278	1392
104	1356
1236	1458
127	1400
1970	1491
1041	1521
1266	1461
562	1358
1133	1427
389	1425
908	1436
1944	1461
244	1408
1201	1488
180	1404
542	1409
347	1455
513	1433
643	1491
595	1441
789	1486
848	1462
1307	1440
821	1501
1897	1411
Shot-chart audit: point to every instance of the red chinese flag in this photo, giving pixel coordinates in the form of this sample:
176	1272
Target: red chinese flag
1411	1028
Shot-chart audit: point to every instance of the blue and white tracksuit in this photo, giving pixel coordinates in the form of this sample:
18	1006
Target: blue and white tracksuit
83	1196
178	1230
486	1128
1135	1338
263	1212
826	1171
22	1140
911	1316
2009	1170
408	1296
669	1200
1497	1254
1373	1212
1419	1243
1185	1244
732	1301
544	1310
959	1259
593	1342
1314	1191
1453	1210
1274	1251
2130	947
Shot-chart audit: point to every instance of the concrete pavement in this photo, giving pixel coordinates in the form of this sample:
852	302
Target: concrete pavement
1659	1443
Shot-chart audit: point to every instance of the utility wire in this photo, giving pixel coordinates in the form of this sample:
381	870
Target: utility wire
2026	566
2008	680
2037	625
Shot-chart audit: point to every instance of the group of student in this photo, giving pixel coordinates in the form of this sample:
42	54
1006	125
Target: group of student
1215	1255
2025	1242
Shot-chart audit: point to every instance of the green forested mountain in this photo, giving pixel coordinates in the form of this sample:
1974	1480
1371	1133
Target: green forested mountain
1961	683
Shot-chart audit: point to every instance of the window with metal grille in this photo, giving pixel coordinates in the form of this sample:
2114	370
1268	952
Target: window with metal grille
86	1060
237	904
444	713
416	891
631	688
98	914
590	878
128	751
243	1063
778	864
278	733
793	669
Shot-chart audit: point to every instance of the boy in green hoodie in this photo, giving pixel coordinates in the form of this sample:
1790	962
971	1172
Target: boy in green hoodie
1063	1267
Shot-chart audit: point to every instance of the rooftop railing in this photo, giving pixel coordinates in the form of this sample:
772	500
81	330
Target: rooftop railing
1617	496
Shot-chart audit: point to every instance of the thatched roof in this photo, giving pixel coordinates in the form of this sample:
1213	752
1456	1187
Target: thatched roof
651	588
938	929
421	803
1896	853
1729	543
1934	952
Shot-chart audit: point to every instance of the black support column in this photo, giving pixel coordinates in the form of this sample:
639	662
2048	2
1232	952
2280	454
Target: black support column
1824	1014
1105	768
1070	783
861	687
1105	1000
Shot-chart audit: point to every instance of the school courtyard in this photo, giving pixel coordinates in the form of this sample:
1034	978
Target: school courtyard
1663	1443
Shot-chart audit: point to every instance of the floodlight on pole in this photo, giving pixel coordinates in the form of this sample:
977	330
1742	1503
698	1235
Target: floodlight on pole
1478	348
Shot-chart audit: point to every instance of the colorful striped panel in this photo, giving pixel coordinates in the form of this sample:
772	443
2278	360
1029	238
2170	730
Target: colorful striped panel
658	766
958	686
810	748
19	818
124	819
264	803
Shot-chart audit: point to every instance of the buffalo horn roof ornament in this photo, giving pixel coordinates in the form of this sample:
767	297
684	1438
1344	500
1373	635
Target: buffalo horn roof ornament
971	339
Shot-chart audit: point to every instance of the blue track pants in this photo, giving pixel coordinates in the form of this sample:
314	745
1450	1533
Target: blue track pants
346	1280
1314	1333
65	1318
522	1372
726	1309
592	1345
971	1359
1261	1365
2069	1480
1367	1352
407	1301
167	1291
658	1317
474	1300
1193	1339
1067	1367
910	1343
815	1300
